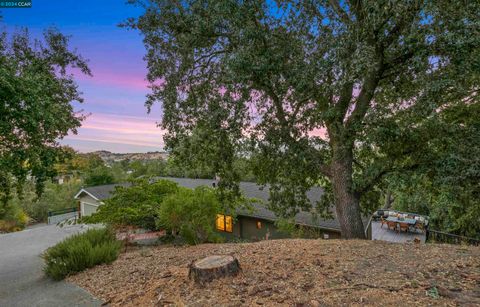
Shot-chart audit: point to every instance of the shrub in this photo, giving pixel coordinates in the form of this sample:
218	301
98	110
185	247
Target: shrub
81	251
22	219
9	226
54	197
288	227
13	219
136	205
191	214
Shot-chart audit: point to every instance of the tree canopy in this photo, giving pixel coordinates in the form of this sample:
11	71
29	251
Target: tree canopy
99	176
134	205
189	213
36	91
448	188
332	92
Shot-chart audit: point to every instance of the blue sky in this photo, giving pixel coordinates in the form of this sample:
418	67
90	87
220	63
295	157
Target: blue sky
115	95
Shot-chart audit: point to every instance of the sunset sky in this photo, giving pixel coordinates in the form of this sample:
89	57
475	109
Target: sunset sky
115	95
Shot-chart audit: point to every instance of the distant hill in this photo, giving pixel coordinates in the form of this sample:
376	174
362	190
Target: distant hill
110	157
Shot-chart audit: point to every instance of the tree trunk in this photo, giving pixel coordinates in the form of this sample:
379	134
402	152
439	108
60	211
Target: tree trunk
212	267
347	203
388	200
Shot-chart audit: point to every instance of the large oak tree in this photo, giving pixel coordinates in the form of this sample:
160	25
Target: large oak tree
36	92
312	91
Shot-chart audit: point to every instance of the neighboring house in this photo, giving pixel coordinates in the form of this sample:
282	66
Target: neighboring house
91	197
257	224
63	178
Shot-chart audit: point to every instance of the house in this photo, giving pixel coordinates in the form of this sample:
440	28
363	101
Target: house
90	198
256	224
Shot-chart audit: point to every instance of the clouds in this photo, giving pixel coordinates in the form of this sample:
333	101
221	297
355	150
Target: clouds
118	79
115	94
118	133
114	98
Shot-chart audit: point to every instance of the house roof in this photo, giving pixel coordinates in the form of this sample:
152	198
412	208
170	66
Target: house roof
101	192
250	190
253	190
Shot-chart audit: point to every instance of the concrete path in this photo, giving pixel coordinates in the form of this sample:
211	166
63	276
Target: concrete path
22	281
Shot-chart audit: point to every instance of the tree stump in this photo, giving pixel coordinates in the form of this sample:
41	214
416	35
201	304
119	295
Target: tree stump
212	267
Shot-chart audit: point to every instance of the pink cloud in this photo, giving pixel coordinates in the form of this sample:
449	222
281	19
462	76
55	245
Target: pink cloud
101	130
109	78
319	132
129	130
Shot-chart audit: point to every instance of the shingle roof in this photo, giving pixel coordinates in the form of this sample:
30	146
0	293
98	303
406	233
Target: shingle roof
250	190
102	192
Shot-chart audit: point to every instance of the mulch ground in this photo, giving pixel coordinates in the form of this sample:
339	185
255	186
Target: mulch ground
294	272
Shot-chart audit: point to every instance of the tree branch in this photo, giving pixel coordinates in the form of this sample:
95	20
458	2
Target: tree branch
357	6
337	8
346	94
393	63
404	22
374	180
364	98
280	113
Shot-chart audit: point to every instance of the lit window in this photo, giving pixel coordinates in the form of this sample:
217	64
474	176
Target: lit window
221	222
224	223
259	225
228	223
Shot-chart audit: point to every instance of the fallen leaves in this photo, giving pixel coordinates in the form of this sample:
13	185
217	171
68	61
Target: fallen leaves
294	272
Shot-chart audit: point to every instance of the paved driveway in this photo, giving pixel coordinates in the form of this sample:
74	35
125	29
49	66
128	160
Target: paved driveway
22	281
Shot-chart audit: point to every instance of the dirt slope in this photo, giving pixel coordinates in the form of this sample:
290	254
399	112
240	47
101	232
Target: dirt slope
295	272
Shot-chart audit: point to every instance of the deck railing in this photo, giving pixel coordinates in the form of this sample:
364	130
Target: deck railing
56	216
434	236
62	211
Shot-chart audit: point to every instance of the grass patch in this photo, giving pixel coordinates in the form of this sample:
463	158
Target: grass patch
81	251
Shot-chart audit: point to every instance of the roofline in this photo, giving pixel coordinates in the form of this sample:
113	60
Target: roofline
238	214
296	223
90	194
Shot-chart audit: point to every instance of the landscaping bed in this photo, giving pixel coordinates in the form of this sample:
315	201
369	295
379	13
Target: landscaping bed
294	272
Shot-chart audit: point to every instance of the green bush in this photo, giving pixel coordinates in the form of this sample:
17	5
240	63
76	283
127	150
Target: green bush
136	205
54	197
290	228
13	219
81	251
191	214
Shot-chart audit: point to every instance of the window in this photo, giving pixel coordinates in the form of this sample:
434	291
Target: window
221	222
224	223
259	225
228	223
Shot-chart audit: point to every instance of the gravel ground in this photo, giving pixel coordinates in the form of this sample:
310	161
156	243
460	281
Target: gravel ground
294	272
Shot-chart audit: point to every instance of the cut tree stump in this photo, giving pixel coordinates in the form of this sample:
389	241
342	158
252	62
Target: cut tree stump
212	267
